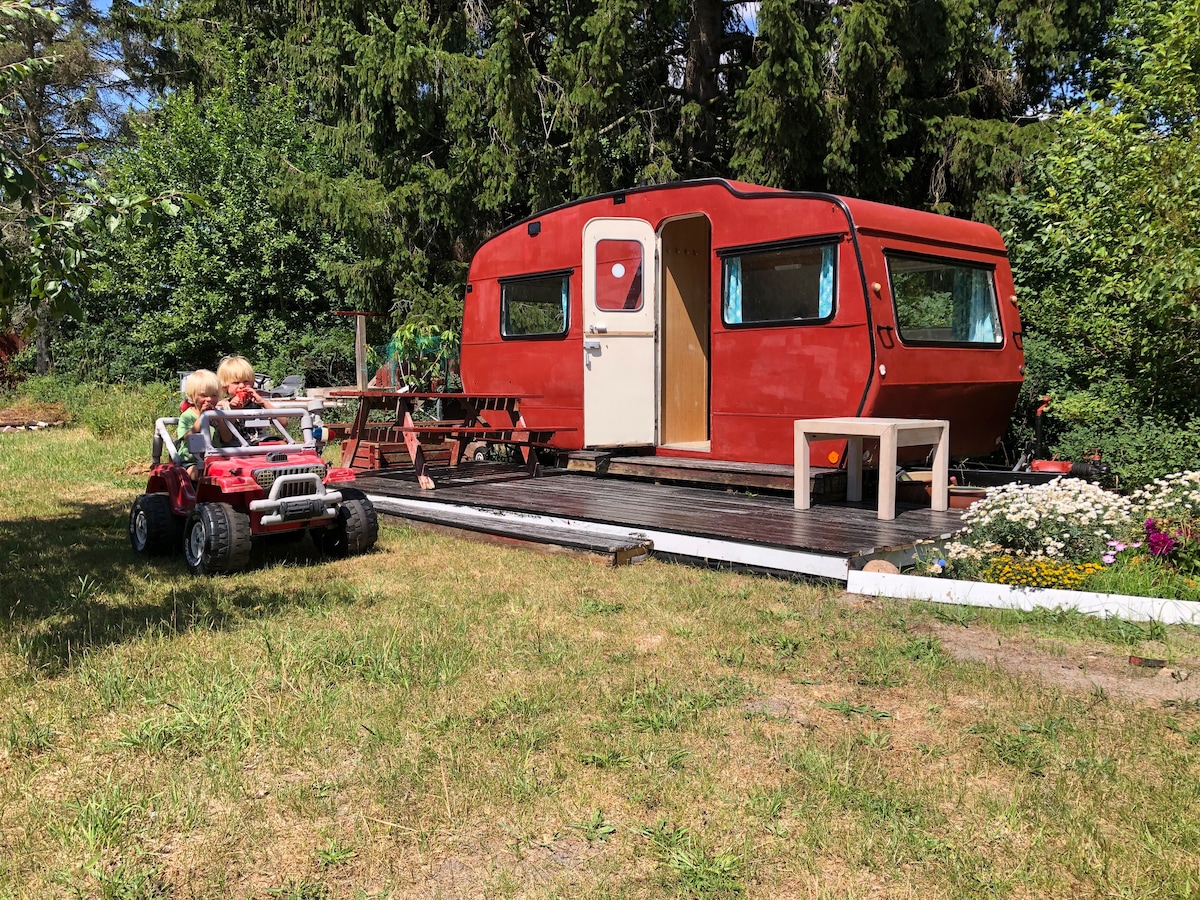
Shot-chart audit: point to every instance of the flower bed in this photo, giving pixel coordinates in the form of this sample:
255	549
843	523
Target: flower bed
1070	535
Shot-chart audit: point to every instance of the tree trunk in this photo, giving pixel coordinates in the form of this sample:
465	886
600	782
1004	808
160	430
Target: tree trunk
701	84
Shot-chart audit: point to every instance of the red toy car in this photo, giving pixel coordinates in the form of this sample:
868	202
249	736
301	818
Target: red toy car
262	482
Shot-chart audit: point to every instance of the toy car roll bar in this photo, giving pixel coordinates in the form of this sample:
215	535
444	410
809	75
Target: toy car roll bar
271	421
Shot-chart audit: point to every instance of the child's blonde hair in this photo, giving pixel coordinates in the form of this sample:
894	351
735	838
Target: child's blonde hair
235	368
201	383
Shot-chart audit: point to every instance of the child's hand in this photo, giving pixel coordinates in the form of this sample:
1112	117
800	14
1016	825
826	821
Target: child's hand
243	395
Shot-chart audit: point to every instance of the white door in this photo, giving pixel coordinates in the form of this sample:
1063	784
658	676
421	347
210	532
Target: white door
620	280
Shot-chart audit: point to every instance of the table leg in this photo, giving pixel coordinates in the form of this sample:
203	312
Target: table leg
357	433
458	443
413	443
520	433
887	473
941	471
802	477
854	460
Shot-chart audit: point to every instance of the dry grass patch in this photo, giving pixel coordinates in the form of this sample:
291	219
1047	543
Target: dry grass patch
21	410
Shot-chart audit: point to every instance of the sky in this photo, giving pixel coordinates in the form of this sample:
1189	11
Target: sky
750	14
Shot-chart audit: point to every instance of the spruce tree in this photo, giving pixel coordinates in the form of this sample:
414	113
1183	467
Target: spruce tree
780	132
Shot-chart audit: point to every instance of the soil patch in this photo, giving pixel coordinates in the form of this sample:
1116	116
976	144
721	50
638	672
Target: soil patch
24	414
1074	668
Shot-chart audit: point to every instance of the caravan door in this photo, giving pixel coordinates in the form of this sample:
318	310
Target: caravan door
620	281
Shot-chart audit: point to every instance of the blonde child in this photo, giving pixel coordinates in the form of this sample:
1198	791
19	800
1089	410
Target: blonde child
237	384
203	391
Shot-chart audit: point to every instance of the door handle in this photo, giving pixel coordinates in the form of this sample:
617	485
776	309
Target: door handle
591	345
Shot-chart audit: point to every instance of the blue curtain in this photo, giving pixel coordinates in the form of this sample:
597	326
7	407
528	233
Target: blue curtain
825	307
733	291
983	309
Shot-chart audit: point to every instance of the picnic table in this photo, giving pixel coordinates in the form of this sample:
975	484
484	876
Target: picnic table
492	418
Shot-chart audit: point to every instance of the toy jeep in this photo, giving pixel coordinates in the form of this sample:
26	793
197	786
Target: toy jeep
260	483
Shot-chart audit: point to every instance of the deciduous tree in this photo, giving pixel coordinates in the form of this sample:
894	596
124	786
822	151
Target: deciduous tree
57	83
1104	232
243	274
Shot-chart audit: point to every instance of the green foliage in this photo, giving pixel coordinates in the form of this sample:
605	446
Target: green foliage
780	129
1140	575
16	181
105	410
1138	450
595	827
930	104
699	871
1104	234
243	276
66	243
424	354
53	212
448	120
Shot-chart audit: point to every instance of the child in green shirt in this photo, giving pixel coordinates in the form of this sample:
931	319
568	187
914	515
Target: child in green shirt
203	391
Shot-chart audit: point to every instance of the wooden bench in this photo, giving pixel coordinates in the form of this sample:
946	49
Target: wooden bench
892	434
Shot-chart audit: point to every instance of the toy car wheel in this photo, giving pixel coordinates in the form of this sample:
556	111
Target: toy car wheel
480	455
216	539
355	530
153	530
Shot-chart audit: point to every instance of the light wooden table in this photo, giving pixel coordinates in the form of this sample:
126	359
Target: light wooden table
892	434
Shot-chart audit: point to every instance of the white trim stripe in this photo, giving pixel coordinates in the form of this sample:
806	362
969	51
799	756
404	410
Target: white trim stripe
1002	596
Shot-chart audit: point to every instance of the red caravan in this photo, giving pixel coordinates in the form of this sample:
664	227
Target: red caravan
701	319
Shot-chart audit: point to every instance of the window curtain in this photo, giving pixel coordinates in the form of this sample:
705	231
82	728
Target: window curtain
825	304
983	309
733	291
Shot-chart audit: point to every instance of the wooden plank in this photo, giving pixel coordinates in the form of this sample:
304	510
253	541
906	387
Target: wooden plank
594	461
650	469
824	483
710	465
483	432
612	551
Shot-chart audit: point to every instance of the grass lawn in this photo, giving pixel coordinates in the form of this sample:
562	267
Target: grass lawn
445	719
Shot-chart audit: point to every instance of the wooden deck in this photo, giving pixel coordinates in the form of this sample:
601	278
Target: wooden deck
719	525
721	473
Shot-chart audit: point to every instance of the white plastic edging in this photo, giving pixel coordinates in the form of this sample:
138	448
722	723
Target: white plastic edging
1002	596
667	542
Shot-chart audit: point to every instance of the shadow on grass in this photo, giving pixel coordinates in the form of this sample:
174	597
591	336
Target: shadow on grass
73	584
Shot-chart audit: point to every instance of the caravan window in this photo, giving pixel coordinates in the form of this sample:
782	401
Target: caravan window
942	301
784	285
535	307
618	275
